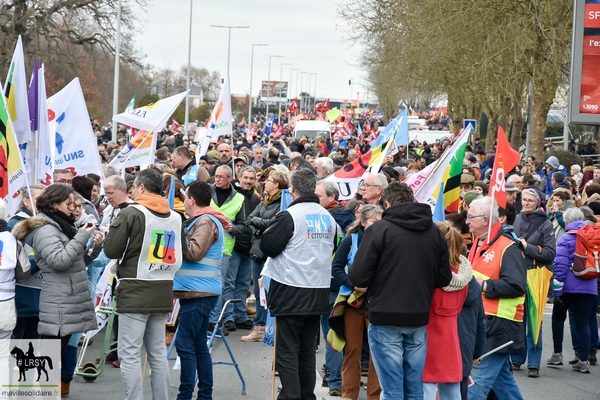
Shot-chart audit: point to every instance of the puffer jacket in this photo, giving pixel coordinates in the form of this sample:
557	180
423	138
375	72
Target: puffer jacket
542	237
565	251
65	303
262	216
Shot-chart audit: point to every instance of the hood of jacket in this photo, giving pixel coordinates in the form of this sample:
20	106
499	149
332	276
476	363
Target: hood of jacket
343	216
575	225
553	162
410	216
153	202
536	214
25	227
564	184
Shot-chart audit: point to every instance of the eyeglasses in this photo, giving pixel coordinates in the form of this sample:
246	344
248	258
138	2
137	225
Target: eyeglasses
78	206
523	200
475	216
366	185
270	180
64	181
221	177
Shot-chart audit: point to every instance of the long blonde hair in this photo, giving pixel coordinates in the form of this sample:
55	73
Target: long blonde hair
454	240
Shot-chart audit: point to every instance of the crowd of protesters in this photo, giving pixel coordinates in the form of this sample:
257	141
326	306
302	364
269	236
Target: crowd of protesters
415	323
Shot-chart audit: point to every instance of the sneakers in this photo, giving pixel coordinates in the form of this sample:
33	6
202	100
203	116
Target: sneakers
582	366
533	373
255	335
515	366
593	357
230	326
575	360
247	324
335	392
556	359
250	311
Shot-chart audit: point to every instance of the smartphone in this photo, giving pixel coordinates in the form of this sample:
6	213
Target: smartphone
89	225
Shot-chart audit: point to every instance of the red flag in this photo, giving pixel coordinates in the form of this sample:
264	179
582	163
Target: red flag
175	126
322	105
293	107
506	159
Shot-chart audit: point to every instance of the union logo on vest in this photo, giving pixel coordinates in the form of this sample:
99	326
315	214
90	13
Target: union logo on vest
318	227
162	248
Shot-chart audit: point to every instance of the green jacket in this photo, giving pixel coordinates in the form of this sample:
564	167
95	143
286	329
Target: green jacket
125	239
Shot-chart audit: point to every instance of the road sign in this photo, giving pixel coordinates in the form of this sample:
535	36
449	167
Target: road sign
472	122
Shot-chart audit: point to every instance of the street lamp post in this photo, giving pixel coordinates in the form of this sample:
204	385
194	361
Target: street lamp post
308	91
116	77
290	86
280	78
302	103
251	71
269	85
351	84
315	74
229	27
186	121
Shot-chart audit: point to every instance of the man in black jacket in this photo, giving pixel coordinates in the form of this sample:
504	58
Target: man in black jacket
400	281
300	242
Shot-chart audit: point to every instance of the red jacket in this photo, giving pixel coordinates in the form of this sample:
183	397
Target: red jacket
443	363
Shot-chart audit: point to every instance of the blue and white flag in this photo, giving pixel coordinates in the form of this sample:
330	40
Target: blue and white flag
269	126
69	125
390	128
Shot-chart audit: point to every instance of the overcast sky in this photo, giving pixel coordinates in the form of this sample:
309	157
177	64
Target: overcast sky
306	33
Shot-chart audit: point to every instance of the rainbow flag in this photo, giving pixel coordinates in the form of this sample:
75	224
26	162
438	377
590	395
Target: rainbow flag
12	172
452	178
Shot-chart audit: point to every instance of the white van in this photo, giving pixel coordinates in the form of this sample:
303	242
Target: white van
312	129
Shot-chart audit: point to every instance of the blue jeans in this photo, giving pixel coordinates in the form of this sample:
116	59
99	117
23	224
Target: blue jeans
494	373
594	340
531	352
261	313
238	272
399	357
445	391
214	314
192	349
333	359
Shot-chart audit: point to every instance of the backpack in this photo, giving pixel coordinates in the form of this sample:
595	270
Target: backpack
587	248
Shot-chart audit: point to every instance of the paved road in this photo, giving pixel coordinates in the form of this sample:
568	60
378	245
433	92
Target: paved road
255	363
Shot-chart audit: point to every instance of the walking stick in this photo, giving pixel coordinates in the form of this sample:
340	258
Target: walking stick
274	364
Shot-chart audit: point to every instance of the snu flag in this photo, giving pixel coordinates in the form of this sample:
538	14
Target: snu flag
152	116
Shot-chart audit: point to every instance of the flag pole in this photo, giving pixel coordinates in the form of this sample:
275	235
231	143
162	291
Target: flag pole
137	147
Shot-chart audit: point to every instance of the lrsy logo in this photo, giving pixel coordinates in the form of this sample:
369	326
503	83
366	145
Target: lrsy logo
162	248
29	360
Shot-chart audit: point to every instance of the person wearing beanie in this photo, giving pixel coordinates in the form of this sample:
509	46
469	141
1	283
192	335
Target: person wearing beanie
467	198
512	191
536	235
553	165
480	187
559	183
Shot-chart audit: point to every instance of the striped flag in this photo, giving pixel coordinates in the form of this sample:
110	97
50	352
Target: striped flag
448	170
12	171
15	91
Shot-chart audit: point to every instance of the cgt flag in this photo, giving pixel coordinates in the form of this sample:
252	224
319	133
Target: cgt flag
322	106
153	116
12	171
69	125
506	159
293	107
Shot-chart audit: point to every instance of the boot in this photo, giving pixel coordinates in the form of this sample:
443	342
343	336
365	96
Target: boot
64	390
255	335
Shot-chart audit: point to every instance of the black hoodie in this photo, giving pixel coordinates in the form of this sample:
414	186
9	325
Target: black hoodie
401	260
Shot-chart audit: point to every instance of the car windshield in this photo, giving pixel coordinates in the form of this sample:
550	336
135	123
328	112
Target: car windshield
312	134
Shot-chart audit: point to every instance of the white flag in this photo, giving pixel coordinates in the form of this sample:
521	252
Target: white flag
103	298
139	151
153	116
46	146
220	122
15	91
75	146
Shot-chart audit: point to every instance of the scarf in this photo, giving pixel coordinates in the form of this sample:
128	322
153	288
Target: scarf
64	221
271	198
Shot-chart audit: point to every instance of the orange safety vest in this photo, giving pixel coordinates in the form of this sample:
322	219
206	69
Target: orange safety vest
488	267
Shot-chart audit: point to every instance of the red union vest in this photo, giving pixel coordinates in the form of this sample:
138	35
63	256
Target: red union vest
488	267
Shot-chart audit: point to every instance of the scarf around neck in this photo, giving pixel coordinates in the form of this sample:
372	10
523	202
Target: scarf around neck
65	222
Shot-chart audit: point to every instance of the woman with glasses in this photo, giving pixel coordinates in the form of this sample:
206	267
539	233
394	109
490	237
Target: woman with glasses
536	235
65	303
258	221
